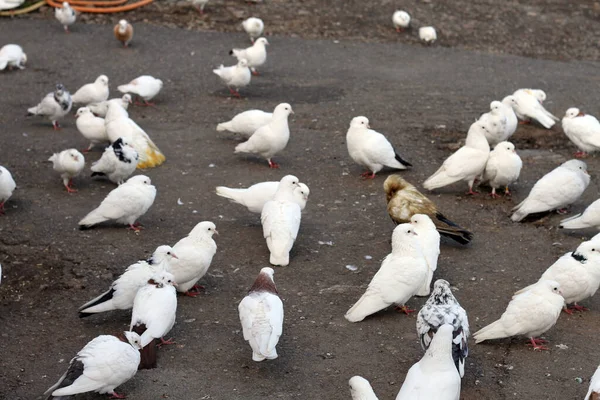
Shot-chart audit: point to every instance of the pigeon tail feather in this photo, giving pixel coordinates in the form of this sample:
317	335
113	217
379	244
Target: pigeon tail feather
402	161
574	222
439	179
99	304
495	330
92	219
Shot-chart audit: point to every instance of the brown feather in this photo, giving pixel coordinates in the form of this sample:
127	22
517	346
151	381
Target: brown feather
264	283
148	353
595	396
126	37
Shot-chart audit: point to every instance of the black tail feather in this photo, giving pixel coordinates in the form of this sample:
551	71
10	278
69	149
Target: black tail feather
107	296
230	52
402	161
98	174
455	232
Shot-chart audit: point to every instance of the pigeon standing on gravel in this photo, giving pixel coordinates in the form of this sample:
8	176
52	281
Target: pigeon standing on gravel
254	27
122	291
270	139
427	34
12	55
559	188
434	376
7	186
103	364
256	55
404	200
583	130
91	127
194	255
145	86
54	105
280	219
371	149
466	164
495	123
65	15
578	274
545	297
123	32
69	164
443	308
528	106
590	218
92	92
125	204
594	389
360	389
402	273
256	196
117	163
429	238
100	109
401	20
261	315
246	123
235	77
503	168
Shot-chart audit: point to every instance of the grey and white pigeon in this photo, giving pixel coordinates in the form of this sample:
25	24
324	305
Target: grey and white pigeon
7	187
54	105
246	123
91	127
256	196
194	255
269	139
103	364
100	109
117	163
122	291
256	55
502	168
261	315
434	376
495	122
360	389
124	204
145	86
583	130
12	55
65	15
69	164
95	92
402	273
443	308
559	188
254	27
371	149
235	77
590	218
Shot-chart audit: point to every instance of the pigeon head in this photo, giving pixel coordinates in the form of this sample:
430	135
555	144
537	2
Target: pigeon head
587	251
243	63
60	88
404	236
162	254
360	122
510	101
576	166
75	155
65	4
540	95
126	98
505	147
261	41
134	339
393	184
204	228
82	111
572	113
162	278
303	190
422	220
359	386
441	345
264	282
139	180
122	26
496	107
282	110
289	182
442	294
102	80
547	286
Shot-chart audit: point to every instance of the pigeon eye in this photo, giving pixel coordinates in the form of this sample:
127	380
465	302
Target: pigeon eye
168	252
593	249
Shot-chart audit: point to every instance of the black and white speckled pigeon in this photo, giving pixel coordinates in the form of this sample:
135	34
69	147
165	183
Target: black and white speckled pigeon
443	308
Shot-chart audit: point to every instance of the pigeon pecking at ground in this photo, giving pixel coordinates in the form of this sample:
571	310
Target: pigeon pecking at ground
401	20
147	87
12	55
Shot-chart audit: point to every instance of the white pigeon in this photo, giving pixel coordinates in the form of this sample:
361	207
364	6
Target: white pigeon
194	255
503	168
443	308
371	149
10	4
557	189
361	389
255	197
269	139
280	218
246	123
594	389
495	123
69	164
155	306
429	239
7	186
55	105
590	218
235	77
254	27
65	15
578	274
402	273
124	204
199	5
122	291
527	106
434	376
583	130
12	55
118	124
100	109
261	315
544	297
91	127
117	163
256	55
103	364
92	92
427	34
401	20
511	118
466	164
145	86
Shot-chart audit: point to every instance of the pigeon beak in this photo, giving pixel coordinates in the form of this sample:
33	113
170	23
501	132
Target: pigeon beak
174	283
415	233
368	126
216	231
174	256
291	111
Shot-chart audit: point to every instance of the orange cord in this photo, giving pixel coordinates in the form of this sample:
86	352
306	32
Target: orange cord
97	3
101	10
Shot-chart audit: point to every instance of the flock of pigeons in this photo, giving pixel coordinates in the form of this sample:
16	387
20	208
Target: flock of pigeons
149	287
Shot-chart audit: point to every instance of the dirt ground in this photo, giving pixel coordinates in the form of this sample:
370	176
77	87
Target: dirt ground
422	98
